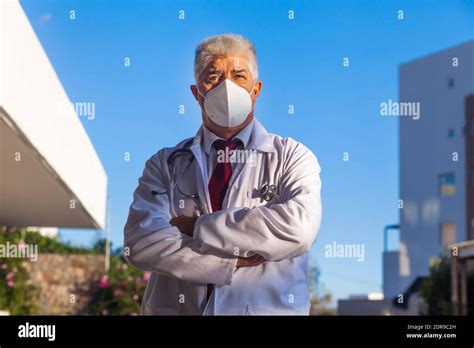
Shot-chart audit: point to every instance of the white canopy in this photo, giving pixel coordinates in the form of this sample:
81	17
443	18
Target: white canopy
50	174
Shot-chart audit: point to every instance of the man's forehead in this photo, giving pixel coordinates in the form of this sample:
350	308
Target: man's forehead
235	62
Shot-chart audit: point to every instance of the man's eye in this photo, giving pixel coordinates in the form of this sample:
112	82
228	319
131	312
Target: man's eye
213	78
240	76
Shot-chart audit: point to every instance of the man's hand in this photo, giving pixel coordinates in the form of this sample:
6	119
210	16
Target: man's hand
184	223
249	261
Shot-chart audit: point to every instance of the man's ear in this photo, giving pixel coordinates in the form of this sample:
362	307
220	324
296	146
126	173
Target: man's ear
258	87
194	91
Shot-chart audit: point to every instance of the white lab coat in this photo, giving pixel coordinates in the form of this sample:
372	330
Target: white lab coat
281	230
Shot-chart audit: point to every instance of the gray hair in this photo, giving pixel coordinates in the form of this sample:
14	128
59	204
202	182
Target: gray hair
224	45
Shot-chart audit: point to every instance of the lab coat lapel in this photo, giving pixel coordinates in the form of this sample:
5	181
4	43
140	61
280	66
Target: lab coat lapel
260	141
201	175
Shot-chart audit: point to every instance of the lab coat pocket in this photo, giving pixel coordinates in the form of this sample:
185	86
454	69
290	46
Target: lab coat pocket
259	310
149	310
254	310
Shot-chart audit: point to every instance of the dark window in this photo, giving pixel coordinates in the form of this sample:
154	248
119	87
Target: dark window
451	133
451	82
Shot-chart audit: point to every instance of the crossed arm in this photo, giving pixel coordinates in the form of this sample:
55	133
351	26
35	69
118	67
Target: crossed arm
186	225
201	249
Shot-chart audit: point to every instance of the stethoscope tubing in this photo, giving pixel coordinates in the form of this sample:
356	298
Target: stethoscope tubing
267	192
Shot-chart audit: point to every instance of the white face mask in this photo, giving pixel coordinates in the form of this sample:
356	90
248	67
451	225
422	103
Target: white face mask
228	104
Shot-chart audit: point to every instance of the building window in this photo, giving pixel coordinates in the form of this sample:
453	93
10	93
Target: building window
448	234
447	184
451	133
451	82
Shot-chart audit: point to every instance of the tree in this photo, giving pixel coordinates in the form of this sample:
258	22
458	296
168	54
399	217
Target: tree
436	289
320	299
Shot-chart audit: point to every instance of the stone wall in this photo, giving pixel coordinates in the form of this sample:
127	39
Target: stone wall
65	281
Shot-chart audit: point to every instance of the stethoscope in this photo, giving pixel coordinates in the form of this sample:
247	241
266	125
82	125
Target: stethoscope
171	160
267	192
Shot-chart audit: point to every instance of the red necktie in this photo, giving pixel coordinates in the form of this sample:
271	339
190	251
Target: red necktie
219	181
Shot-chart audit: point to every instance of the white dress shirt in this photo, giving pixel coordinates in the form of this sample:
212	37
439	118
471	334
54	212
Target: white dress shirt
210	151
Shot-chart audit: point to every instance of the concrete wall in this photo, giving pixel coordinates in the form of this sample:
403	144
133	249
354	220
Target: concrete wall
391	279
65	281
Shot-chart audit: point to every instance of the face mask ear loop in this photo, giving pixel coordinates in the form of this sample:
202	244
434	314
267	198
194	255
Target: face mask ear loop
204	98
253	103
199	92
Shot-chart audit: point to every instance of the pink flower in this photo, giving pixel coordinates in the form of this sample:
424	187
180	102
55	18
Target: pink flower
135	297
10	283
146	276
104	311
9	276
133	314
103	281
21	245
14	270
124	266
4	266
117	292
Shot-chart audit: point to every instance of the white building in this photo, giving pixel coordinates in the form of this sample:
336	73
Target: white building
436	176
50	174
436	163
380	305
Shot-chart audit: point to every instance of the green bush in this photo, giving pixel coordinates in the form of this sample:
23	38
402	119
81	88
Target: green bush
121	291
436	290
17	294
117	293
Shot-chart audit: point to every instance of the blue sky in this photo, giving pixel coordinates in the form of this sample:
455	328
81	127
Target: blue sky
300	64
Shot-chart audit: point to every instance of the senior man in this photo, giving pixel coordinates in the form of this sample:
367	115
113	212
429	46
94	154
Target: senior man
225	234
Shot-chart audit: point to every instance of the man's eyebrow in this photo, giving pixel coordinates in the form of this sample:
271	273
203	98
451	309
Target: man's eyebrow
236	71
214	71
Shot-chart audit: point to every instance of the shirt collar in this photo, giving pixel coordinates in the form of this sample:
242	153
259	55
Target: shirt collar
209	137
